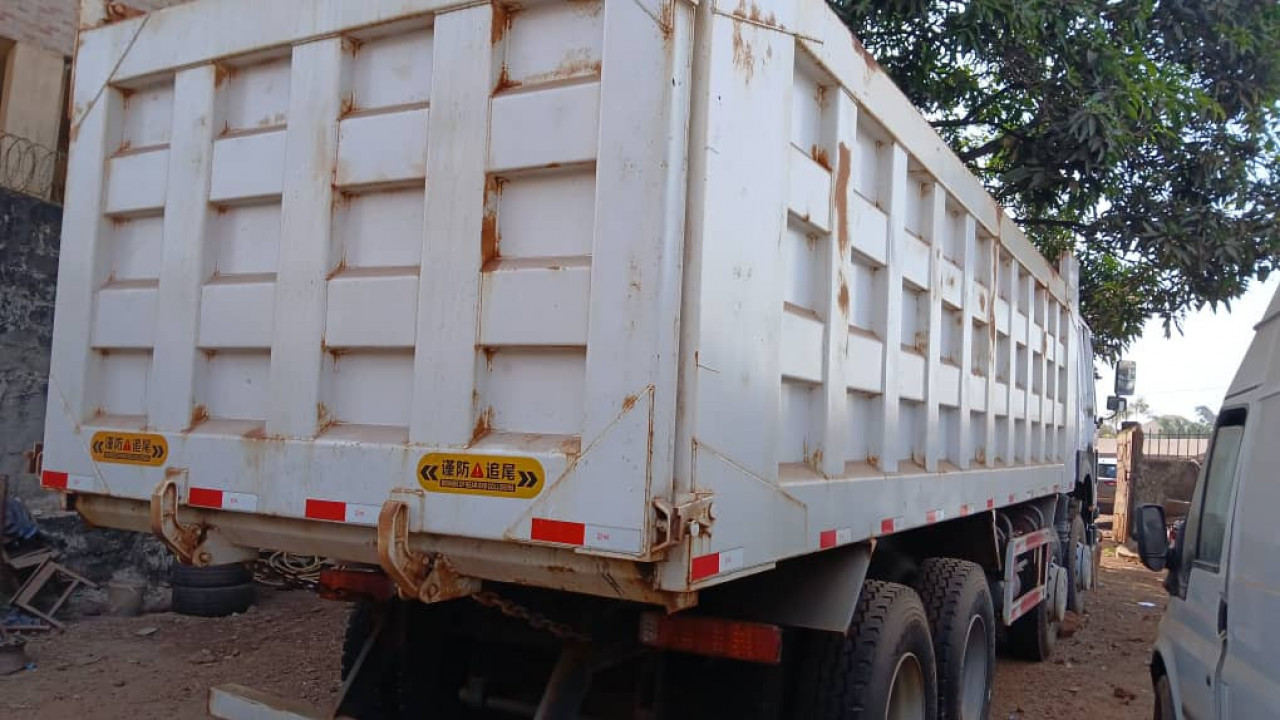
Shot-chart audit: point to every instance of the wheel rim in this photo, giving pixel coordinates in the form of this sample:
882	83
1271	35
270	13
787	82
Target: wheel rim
906	694
974	671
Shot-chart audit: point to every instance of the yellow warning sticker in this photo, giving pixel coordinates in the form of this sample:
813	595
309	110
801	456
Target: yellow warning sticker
492	475
109	446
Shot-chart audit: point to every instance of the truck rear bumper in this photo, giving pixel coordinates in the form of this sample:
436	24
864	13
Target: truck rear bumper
544	567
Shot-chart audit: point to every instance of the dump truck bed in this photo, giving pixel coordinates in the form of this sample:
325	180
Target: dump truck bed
657	293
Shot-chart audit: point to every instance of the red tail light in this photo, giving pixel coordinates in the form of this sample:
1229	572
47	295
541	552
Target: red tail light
714	637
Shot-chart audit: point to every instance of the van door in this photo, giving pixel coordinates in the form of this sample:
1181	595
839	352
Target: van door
1196	619
1250	684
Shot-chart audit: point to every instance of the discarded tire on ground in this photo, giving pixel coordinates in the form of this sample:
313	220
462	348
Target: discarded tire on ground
211	576
213	601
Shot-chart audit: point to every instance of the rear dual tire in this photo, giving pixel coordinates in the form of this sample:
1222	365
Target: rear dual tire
882	669
957	601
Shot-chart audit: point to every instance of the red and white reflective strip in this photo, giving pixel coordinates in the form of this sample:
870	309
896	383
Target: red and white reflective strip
991	503
222	499
933	516
66	481
832	538
964	511
705	566
1012	498
595	537
889	525
342	512
1030	541
1027	603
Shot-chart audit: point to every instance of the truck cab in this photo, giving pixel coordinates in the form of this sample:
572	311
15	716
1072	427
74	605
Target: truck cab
1218	648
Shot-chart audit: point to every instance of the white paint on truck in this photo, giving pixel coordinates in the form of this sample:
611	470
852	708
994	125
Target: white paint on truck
531	272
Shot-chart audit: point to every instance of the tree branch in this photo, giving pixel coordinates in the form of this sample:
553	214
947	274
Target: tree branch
1053	222
982	150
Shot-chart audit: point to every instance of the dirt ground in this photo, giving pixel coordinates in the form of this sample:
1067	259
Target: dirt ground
160	666
1101	670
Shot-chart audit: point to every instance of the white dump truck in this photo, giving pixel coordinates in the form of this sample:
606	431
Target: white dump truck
588	337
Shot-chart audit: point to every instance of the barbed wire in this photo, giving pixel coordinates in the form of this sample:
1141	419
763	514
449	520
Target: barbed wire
30	168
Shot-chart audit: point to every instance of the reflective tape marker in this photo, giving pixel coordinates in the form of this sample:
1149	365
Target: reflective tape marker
933	516
65	481
558	531
596	537
832	538
705	566
222	499
342	512
889	525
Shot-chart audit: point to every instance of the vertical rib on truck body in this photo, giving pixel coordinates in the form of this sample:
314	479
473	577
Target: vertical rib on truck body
659	292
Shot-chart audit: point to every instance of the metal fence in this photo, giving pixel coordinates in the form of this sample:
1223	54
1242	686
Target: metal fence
31	168
1175	445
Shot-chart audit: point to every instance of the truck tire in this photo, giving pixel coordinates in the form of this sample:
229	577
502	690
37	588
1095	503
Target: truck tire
211	576
213	601
957	601
434	658
1034	635
1076	589
375	693
882	668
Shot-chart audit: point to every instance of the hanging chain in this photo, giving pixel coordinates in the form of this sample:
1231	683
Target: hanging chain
535	620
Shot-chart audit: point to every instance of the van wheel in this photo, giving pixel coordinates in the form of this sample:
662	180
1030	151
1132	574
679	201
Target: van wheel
882	668
1164	700
957	601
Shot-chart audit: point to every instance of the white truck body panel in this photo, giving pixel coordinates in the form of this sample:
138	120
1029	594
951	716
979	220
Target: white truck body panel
659	250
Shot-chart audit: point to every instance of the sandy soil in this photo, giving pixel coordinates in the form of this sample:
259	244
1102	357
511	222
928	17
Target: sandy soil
160	666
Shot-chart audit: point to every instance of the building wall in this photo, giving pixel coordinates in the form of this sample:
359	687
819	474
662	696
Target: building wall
51	24
29	238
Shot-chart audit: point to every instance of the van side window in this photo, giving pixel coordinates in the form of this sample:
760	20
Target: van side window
1219	481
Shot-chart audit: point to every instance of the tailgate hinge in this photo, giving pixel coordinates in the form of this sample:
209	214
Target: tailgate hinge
199	543
692	516
428	577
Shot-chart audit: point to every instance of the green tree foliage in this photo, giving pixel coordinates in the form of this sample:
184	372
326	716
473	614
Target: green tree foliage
1206	417
1178	425
1142	134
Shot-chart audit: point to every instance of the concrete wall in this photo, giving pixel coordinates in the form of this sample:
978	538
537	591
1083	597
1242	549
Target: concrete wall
29	234
34	99
1173	481
51	24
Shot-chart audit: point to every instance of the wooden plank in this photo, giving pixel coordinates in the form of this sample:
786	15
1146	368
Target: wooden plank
449	283
186	220
311	147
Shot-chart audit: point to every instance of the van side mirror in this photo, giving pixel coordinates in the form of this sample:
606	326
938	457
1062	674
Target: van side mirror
1153	537
1117	404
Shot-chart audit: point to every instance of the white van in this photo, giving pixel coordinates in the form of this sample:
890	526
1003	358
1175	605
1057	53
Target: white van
1217	655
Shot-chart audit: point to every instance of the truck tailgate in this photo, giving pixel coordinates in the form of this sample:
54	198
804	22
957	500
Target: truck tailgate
318	253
